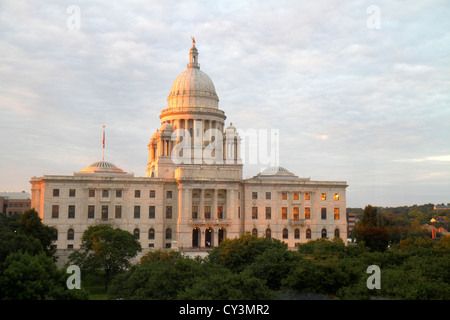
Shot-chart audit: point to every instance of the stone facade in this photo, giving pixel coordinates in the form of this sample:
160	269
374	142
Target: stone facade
194	203
14	202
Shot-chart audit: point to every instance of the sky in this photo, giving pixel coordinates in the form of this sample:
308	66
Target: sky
359	91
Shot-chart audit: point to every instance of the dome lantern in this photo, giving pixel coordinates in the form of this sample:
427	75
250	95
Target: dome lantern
193	56
193	88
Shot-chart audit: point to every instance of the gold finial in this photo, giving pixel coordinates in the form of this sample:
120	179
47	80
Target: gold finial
193	41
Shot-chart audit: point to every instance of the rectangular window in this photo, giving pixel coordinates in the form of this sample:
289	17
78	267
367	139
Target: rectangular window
194	212
152	193
118	193
137	212
207	212
169	194
308	213
137	193
220	212
118	212
268	213
91	212
169	212
254	195
284	213
55	211
105	193
268	195
284	195
71	193
336	196
104	212
307	196
56	192
323	213
336	213
295	213
323	196
151	212
295	196
254	212
91	193
71	212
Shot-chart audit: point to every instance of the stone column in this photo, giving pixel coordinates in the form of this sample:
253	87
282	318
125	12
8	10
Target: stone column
201	210
214	204
184	233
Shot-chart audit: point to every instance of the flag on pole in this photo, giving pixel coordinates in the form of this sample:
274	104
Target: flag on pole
103	150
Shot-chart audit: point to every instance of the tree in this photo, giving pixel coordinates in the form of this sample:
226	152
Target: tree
31	224
171	256
371	230
34	277
156	279
25	232
237	253
272	266
107	249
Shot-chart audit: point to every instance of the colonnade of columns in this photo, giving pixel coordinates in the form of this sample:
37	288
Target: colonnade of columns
162	145
206	215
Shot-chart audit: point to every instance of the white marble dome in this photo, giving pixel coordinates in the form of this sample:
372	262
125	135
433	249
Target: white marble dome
193	88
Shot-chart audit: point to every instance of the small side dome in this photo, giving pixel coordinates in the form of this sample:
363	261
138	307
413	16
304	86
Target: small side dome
276	170
166	127
102	167
154	137
230	128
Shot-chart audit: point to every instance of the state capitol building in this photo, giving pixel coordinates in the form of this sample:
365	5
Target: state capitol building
193	195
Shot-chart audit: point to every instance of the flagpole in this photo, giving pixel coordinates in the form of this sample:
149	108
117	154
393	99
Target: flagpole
103	149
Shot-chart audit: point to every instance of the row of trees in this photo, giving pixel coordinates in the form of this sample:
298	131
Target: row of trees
27	261
379	228
259	268
243	268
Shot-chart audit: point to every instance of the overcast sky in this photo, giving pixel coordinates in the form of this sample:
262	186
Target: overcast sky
359	90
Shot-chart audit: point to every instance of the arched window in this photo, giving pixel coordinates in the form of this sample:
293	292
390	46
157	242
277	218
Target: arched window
337	233
222	234
308	233
324	233
254	232
70	234
136	233
168	233
268	233
209	232
56	235
297	234
151	234
285	233
195	237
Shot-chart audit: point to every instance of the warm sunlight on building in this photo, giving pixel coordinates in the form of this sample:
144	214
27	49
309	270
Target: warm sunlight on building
188	202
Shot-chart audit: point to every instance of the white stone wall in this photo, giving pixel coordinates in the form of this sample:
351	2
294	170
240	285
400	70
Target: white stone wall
235	197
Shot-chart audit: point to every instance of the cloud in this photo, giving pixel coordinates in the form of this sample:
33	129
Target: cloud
444	158
348	101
